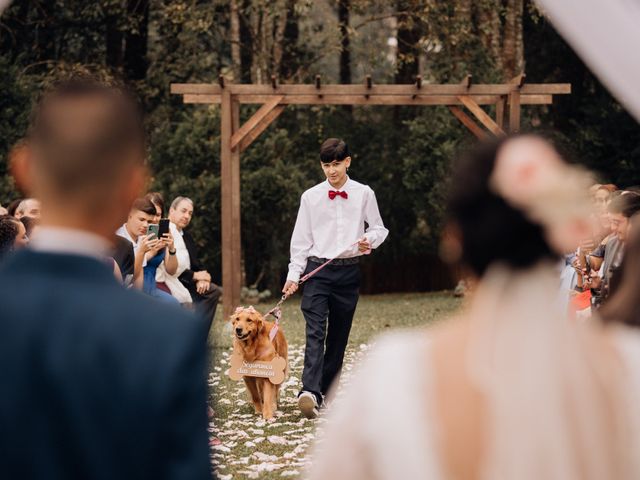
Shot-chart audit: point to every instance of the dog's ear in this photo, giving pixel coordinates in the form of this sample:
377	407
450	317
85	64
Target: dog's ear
260	322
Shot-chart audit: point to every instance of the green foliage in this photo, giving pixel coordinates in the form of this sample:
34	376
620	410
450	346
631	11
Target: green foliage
402	152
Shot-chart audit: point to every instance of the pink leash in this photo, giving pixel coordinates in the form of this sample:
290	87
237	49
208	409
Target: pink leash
277	311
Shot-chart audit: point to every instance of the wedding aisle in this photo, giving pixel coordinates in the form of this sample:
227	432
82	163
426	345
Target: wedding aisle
245	446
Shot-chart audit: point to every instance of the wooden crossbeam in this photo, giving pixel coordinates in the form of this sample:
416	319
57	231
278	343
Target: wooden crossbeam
257	117
481	115
468	122
415	99
376	89
260	127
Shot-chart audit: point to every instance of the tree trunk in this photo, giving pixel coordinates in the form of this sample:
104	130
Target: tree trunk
408	49
512	45
246	44
278	37
290	57
234	32
135	53
344	7
490	29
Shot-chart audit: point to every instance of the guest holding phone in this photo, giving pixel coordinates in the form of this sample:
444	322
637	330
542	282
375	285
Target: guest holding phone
163	253
150	251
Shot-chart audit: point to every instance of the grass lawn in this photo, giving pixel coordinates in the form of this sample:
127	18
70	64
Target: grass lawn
244	445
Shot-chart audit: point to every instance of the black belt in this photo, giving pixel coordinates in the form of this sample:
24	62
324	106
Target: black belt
336	261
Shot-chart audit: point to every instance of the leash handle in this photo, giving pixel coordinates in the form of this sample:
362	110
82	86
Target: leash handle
300	282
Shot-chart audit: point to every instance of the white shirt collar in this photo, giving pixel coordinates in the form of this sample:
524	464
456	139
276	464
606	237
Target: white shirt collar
342	189
70	241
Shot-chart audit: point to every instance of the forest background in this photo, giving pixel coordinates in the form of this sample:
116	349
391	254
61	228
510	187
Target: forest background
404	153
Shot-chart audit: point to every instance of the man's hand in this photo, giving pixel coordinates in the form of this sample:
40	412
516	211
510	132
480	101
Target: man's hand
202	275
202	286
167	239
364	246
148	243
594	280
290	288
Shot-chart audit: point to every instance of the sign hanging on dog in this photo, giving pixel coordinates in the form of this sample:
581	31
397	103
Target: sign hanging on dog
272	370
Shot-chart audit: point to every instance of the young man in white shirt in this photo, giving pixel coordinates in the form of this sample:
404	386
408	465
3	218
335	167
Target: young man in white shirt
330	224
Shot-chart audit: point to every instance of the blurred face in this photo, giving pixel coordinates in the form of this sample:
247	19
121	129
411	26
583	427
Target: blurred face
336	171
601	199
182	214
138	222
619	226
31	209
21	239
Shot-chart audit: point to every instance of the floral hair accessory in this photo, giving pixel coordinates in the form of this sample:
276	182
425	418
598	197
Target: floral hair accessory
531	176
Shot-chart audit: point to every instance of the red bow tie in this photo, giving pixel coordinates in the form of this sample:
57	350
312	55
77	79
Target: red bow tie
334	193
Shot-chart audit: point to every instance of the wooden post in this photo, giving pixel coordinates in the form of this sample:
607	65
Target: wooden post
514	112
500	112
236	240
226	184
514	102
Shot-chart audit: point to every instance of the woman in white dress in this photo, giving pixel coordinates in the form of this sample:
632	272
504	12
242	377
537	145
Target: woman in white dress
511	389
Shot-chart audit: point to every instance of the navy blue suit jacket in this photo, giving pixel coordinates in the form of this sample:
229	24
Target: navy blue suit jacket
96	382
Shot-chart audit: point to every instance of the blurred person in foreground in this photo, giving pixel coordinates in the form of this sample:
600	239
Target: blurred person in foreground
511	388
97	381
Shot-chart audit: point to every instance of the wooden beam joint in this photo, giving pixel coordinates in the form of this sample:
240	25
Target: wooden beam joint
254	121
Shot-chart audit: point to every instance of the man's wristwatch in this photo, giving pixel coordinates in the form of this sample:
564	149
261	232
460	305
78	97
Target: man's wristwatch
172	253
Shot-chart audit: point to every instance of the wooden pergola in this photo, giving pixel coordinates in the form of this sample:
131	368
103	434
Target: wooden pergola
235	138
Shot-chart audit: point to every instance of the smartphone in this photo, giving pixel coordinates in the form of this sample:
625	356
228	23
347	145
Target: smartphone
163	227
153	228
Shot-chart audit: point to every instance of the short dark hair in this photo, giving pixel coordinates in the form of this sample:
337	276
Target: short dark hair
492	230
333	149
626	204
28	223
145	205
157	199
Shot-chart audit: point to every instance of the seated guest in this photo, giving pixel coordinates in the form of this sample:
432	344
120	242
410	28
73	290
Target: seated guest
620	209
623	305
13	206
125	259
29	207
135	231
30	225
12	235
149	251
195	278
171	281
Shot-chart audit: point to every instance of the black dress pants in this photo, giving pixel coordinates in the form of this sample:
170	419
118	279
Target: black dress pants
329	302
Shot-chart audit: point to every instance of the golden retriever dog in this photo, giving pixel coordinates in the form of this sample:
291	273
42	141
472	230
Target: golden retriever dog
251	341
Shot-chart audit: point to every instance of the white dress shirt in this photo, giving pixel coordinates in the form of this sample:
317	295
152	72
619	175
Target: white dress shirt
70	241
124	233
178	290
328	228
